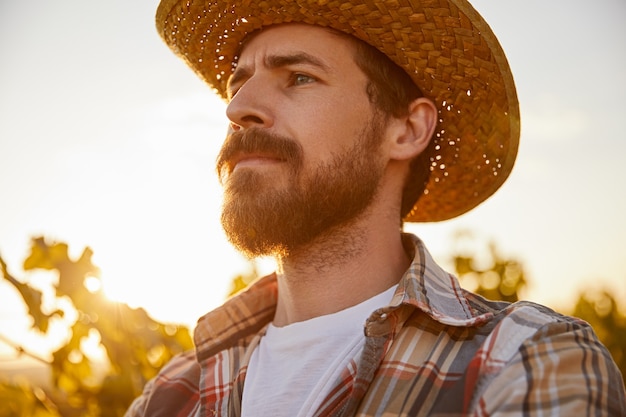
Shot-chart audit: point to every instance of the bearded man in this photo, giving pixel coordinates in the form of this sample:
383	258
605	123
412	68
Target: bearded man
347	119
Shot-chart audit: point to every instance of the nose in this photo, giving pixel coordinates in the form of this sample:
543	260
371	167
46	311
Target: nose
250	106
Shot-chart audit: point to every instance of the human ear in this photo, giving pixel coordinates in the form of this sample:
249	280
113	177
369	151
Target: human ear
415	130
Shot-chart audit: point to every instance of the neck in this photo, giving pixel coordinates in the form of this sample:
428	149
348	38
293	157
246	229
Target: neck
340	270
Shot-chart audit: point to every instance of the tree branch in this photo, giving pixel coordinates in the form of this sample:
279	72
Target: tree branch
21	351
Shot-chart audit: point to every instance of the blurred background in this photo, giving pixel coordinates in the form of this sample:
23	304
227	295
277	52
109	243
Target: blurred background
108	141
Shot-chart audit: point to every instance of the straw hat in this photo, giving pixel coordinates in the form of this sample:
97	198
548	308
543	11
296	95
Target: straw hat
444	45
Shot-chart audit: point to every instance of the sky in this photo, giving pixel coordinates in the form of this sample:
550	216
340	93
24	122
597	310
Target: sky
107	140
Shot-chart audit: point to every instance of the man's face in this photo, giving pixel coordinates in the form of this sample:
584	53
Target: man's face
302	157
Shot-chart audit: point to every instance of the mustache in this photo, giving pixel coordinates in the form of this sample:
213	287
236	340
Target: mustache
255	140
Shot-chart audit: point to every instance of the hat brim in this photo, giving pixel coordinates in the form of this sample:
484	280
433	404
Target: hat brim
444	45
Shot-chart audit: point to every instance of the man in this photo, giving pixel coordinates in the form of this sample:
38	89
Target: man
345	119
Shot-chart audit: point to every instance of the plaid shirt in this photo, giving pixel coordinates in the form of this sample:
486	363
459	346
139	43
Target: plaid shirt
436	350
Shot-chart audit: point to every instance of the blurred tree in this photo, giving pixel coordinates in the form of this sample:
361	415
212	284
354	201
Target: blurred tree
486	272
136	346
241	281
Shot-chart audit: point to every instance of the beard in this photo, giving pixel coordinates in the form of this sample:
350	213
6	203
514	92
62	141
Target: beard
260	219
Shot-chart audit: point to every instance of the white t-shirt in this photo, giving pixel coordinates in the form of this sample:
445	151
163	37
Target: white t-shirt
294	367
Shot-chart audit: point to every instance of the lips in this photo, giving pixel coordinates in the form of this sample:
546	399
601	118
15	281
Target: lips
239	160
249	160
256	147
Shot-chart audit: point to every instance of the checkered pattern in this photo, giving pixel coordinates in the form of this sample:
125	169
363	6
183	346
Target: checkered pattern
436	350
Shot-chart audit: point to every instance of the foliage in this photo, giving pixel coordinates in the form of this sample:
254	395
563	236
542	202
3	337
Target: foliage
136	346
498	279
241	281
22	400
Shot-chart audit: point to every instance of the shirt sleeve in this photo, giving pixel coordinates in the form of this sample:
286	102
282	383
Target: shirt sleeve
561	370
173	392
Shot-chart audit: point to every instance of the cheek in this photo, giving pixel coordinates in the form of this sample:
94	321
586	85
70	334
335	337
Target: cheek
342	124
329	125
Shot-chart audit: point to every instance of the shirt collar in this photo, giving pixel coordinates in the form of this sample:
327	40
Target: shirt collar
427	287
424	286
240	317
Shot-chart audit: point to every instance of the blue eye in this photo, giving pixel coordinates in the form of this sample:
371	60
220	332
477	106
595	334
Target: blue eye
300	79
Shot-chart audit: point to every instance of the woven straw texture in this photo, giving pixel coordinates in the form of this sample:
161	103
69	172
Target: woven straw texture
445	46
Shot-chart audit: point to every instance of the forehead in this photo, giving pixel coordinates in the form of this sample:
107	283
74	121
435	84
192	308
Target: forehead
290	38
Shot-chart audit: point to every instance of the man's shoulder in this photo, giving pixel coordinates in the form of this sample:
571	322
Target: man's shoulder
523	319
173	392
499	330
532	335
513	355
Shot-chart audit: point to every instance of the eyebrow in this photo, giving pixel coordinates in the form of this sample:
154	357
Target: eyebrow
278	61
